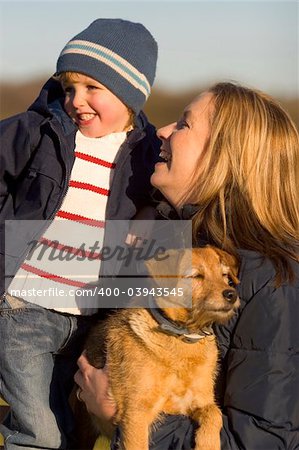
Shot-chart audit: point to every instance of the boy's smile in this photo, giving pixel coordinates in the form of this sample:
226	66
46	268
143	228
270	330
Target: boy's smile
95	109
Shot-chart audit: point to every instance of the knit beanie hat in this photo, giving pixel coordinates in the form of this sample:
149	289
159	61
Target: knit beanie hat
119	54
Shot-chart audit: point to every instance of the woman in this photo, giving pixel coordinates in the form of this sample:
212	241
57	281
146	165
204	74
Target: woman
234	156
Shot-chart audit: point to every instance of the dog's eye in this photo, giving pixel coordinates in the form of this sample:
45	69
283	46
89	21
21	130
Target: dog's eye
230	282
198	276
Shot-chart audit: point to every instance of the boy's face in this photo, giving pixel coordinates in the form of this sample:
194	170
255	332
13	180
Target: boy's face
95	109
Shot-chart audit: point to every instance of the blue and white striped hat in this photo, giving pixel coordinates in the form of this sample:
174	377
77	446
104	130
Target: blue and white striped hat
121	55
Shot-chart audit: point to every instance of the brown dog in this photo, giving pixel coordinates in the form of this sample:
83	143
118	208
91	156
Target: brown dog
164	360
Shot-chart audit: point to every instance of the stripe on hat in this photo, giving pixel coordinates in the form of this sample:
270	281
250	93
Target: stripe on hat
111	59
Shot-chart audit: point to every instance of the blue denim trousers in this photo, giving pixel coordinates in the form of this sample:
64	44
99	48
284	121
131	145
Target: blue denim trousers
38	353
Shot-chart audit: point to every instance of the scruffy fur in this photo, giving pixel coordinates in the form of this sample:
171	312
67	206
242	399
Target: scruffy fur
151	372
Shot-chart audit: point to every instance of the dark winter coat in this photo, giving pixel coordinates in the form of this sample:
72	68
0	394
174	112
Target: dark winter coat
36	159
258	385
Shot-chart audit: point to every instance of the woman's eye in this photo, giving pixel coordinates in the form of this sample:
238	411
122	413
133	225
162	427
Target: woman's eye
91	88
182	124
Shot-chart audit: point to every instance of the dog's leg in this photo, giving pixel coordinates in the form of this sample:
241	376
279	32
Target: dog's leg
135	431
208	433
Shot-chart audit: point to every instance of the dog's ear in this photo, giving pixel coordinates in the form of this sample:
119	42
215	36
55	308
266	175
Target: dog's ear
165	265
167	268
231	261
172	273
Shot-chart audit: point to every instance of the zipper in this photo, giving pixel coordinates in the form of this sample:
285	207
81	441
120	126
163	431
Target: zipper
130	144
68	169
64	189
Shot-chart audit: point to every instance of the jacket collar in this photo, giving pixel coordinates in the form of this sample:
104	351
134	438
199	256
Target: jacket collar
138	131
49	104
167	211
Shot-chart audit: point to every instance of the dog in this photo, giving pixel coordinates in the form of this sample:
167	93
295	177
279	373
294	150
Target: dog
164	359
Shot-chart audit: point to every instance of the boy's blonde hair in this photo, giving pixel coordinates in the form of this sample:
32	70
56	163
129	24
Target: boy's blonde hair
247	185
70	77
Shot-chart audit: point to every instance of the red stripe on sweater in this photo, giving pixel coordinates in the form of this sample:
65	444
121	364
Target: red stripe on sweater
81	253
89	187
51	276
81	219
95	160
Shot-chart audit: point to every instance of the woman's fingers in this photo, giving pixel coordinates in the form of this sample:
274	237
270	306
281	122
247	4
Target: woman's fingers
94	389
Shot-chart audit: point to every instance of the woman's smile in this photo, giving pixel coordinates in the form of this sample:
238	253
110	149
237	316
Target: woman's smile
183	144
165	155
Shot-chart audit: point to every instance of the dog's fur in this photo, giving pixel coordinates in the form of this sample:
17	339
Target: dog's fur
152	372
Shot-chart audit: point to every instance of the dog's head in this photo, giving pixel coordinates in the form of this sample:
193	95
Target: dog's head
214	280
208	276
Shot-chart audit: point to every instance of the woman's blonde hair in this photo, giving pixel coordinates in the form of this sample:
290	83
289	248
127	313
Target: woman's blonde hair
248	184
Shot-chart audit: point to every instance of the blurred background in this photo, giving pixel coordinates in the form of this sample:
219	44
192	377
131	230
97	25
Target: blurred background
200	42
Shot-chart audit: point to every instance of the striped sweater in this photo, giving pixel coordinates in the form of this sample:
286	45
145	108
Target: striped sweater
67	256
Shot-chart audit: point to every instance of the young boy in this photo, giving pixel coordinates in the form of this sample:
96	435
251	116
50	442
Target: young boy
82	153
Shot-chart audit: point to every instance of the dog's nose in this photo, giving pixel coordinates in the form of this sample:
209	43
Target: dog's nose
230	295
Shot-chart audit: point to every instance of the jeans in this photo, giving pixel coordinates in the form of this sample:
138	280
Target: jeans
38	353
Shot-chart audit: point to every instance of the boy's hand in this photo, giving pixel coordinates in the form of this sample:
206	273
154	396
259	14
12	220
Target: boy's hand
141	226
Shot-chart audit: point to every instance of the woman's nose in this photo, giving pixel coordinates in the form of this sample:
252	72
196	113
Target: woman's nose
165	132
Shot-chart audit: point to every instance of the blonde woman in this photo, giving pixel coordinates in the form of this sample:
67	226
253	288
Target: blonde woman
232	166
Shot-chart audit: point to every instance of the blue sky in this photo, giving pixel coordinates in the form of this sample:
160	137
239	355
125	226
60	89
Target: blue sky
253	42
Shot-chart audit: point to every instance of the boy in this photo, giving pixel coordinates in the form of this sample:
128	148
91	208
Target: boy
83	153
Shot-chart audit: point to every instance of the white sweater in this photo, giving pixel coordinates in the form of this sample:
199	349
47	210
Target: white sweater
67	257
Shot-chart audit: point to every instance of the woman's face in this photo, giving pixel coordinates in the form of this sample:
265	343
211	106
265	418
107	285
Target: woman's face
183	143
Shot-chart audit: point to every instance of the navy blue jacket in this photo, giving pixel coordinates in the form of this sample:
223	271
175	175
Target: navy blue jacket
36	159
258	383
259	368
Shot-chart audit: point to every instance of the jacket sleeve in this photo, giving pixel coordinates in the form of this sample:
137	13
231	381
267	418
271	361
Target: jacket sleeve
173	433
15	150
154	152
261	406
146	157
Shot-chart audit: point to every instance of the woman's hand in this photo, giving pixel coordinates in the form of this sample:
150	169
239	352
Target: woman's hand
95	393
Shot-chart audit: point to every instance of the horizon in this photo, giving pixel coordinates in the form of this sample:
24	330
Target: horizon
254	43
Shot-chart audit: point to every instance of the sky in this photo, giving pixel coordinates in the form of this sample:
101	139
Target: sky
200	42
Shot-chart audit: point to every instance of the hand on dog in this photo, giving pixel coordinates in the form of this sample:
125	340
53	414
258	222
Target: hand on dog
95	389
